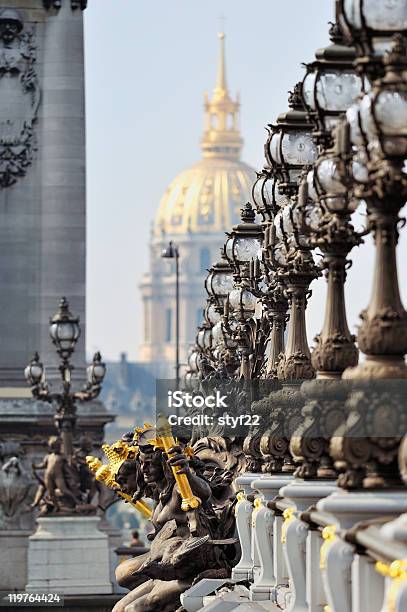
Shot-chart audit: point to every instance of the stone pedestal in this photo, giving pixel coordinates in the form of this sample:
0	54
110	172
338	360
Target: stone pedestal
13	559
69	555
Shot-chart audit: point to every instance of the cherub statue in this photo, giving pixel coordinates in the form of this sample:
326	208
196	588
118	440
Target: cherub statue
59	489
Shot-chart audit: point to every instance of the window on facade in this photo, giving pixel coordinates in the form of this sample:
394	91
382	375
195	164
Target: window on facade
168	325
205	260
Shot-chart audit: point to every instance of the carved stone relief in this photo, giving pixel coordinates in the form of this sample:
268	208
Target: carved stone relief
16	487
20	97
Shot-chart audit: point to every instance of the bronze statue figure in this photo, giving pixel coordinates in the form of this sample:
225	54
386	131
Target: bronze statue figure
192	516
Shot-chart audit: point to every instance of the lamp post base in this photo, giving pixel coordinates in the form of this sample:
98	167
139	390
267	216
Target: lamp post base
69	555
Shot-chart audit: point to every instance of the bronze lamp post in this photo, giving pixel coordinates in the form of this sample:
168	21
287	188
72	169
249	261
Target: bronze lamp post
65	331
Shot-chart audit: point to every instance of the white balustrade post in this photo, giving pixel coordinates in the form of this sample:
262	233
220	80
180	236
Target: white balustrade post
336	575
244	509
296	533
263	526
302	495
315	596
367	585
395	597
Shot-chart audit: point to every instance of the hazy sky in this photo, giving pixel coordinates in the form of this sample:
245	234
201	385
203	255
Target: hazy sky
148	64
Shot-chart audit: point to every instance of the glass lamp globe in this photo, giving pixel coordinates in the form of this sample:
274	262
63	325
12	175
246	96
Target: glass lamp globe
360	171
381	15
212	314
357	136
217	334
311	191
242	302
219	282
200	337
64	330
383	111
289	223
228	340
296	221
216	353
290	145
279	247
242	249
263	194
384	119
245	240
369	24
334	91
279	226
332	190
193	362
331	85
96	371
34	371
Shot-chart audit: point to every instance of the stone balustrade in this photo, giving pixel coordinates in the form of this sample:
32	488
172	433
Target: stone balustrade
310	546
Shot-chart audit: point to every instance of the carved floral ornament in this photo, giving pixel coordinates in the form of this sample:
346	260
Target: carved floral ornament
20	97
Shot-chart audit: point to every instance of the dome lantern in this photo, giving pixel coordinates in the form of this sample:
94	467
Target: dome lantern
222	134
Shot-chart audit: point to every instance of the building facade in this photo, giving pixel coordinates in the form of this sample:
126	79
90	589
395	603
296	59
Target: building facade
198	207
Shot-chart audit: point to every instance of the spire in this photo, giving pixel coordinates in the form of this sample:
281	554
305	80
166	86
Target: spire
221	84
222	135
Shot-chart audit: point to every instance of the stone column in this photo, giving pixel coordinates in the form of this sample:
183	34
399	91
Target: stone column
42	241
63	176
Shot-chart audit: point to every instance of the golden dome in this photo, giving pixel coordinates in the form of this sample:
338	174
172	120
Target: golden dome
207	198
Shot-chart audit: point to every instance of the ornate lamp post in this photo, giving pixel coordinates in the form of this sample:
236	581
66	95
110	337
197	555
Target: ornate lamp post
242	249
330	87
65	331
289	268
219	283
244	241
335	235
382	120
266	195
378	133
289	149
268	201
